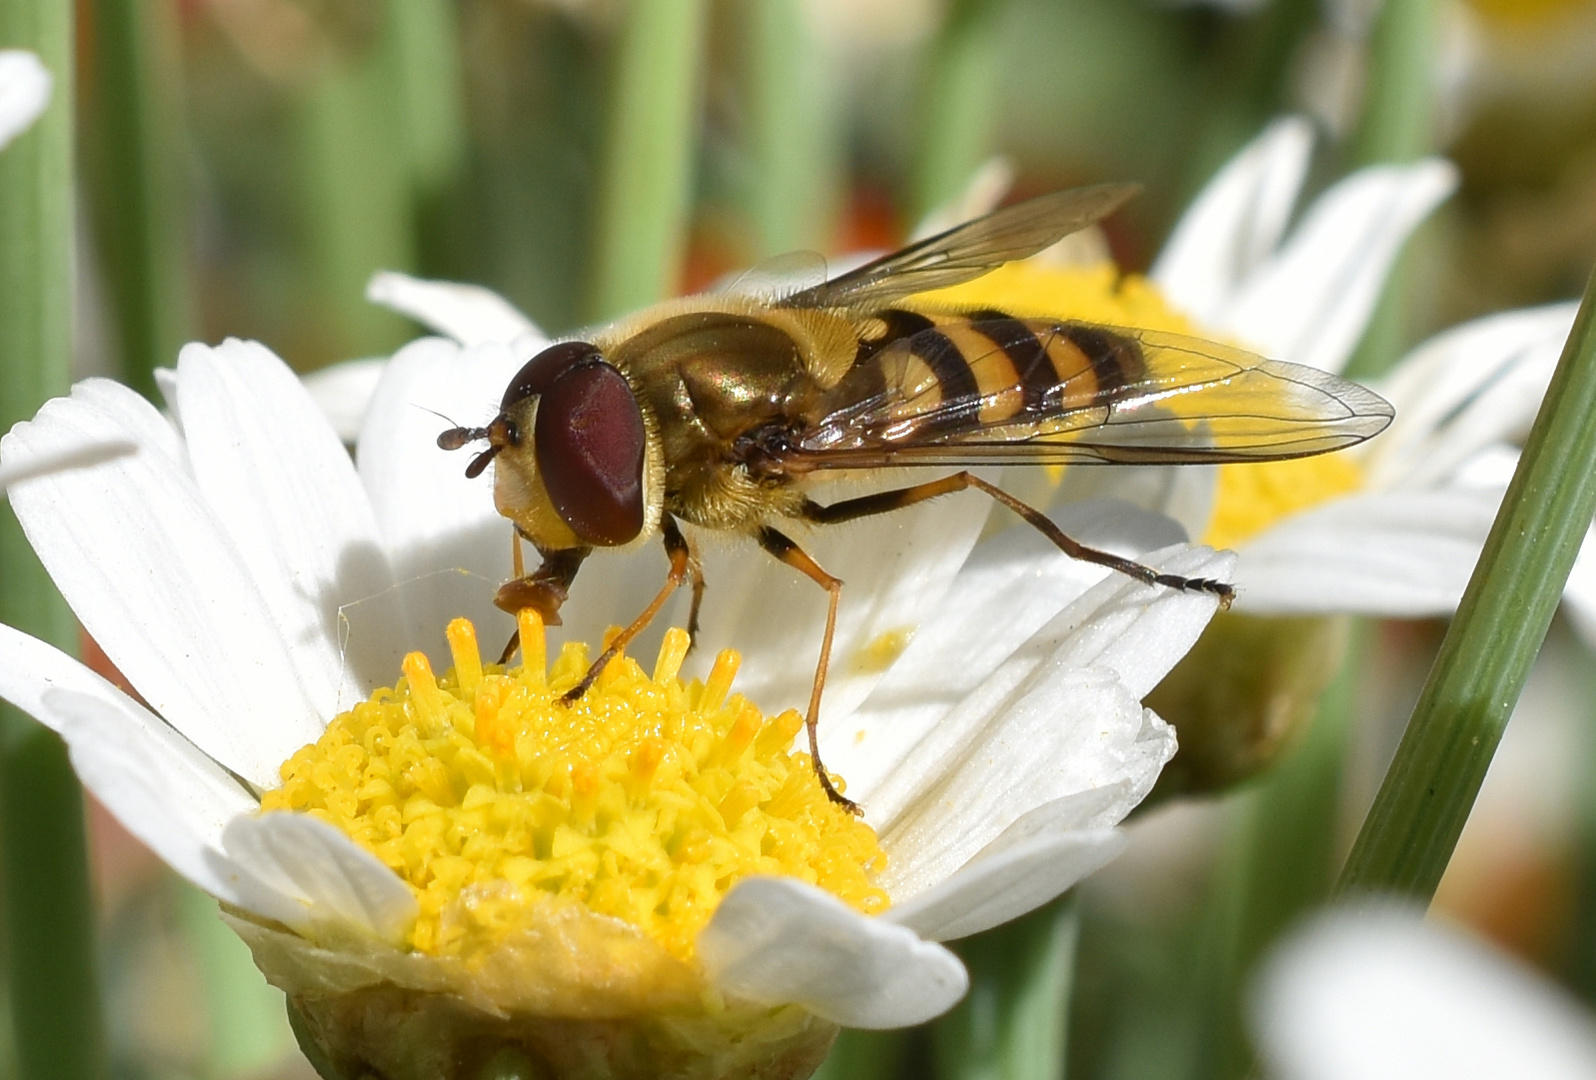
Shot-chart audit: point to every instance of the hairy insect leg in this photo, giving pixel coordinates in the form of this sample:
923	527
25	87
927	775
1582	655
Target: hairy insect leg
680	555
783	548
543	590
695	573
884	501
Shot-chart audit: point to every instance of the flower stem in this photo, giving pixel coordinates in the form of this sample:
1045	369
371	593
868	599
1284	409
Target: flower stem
865	1055
1427	793
958	103
1279	858
49	944
133	168
791	133
1014	1022
1397	125
645	192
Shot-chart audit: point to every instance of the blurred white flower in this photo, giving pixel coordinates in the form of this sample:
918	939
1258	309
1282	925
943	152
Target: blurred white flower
24	92
1377	992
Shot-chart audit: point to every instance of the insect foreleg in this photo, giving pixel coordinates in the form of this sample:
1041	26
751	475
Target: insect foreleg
543	590
695	573
783	548
681	557
884	501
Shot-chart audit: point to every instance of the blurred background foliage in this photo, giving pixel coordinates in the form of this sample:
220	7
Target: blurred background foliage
247	164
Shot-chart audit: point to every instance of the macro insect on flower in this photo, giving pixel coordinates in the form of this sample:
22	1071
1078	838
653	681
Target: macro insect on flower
720	410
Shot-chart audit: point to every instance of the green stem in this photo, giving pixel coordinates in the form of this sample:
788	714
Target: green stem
1279	863
791	136
645	192
49	942
134	167
1014	1022
360	158
1427	793
1398	124
960	86
865	1055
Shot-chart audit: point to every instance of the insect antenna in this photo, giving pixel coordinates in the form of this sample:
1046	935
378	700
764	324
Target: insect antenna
456	437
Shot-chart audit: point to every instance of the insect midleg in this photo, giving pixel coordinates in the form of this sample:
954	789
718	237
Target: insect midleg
884	501
681	558
783	548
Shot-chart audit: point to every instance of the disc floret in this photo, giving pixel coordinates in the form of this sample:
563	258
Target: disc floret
646	800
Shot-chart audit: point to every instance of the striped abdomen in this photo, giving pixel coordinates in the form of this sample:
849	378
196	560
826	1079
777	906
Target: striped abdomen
931	376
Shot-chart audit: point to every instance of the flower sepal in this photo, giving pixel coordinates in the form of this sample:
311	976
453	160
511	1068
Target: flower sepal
1244	695
628	1010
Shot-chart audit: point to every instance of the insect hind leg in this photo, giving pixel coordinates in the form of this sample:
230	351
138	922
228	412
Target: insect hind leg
884	501
784	549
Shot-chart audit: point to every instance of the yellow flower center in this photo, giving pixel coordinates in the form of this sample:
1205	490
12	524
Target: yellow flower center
646	800
1248	497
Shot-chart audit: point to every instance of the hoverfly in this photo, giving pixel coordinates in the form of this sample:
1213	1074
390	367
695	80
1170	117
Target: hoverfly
720	410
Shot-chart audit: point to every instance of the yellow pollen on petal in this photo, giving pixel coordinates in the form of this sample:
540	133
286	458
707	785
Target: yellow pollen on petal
646	800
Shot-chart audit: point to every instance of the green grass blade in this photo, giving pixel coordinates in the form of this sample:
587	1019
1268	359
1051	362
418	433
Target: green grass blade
791	138
1411	830
49	944
1014	1022
959	100
645	193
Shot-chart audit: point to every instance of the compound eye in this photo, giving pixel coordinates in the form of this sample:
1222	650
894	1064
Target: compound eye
538	373
589	440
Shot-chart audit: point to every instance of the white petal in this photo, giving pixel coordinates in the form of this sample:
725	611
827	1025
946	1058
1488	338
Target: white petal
895	569
333	881
1064	732
343	393
158	785
1130	634
777	940
1383	995
992	889
1235	221
469	314
24	92
1008	589
1579	595
1310	302
1400	555
71	457
154	579
449	547
1463	389
283	486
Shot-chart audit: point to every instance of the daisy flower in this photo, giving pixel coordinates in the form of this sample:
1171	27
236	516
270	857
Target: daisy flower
1393	527
24	92
427	865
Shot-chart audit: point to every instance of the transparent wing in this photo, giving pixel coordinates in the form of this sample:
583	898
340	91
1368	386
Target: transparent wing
968	251
1126	397
778	278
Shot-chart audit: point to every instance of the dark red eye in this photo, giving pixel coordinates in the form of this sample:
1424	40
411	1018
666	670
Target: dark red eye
538	373
589	440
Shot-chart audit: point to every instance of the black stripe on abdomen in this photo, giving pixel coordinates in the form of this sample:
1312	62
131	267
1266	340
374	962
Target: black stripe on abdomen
961	395
1025	351
1116	359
